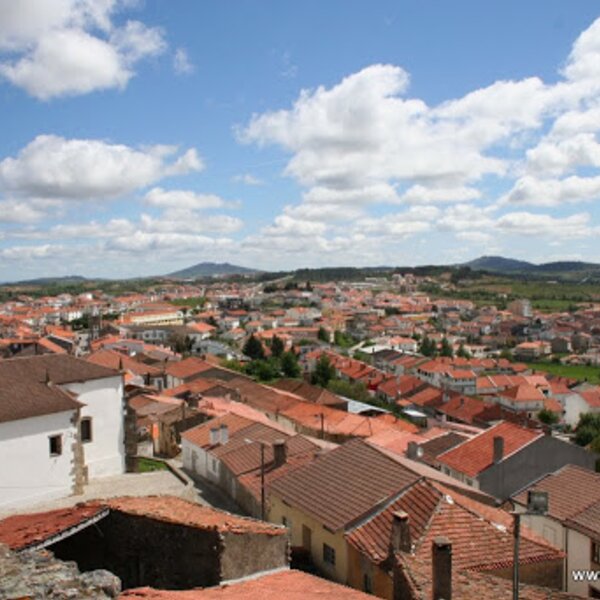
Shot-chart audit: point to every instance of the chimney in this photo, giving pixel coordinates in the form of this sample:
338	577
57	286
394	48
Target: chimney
498	448
412	451
279	452
441	564
224	434
400	536
214	436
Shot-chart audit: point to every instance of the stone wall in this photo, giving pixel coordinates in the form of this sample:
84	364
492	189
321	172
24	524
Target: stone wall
37	574
147	552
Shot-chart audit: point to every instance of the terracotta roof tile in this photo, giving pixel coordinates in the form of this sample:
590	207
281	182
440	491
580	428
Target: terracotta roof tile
343	484
22	531
291	585
171	509
570	490
476	455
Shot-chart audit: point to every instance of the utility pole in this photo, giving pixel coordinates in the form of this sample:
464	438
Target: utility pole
517	535
262	481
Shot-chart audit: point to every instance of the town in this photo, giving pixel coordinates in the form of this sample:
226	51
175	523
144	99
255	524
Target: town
285	436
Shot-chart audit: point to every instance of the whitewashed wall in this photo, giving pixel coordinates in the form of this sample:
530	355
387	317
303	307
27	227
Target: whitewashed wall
28	474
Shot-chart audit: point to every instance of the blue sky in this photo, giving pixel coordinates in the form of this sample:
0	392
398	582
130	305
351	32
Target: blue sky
139	137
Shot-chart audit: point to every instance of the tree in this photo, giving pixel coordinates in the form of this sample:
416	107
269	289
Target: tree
324	371
289	365
588	429
446	349
323	335
547	417
263	370
355	391
253	348
427	347
180	343
277	346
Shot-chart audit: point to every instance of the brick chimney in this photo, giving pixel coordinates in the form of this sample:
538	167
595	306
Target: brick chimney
498	448
400	536
279	452
224	434
441	565
214	436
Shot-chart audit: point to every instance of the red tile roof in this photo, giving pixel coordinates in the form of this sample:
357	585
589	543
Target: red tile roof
476	455
171	509
435	510
291	585
343	484
22	531
570	490
188	367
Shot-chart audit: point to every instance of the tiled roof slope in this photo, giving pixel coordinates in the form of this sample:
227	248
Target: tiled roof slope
469	585
21	398
440	444
288	584
58	368
171	509
21	531
587	521
476	455
434	511
343	484
570	490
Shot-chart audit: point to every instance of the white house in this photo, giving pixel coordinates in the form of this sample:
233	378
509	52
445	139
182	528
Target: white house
61	422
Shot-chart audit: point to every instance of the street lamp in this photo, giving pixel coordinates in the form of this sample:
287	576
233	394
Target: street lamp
537	505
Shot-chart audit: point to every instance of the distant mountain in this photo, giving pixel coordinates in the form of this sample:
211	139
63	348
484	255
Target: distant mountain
499	264
509	266
210	269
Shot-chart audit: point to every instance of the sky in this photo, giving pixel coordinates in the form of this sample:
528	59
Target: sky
138	137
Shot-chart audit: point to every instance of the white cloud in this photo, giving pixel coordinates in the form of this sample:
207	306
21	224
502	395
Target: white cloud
183	199
363	143
71	47
553	192
248	179
525	223
182	63
54	167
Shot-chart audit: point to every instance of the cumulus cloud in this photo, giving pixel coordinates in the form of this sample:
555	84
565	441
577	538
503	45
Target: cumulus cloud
183	199
364	142
182	63
54	167
525	223
71	47
553	192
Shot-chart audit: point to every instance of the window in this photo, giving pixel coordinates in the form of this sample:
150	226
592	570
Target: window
328	554
284	521
367	584
86	429
55	445
596	553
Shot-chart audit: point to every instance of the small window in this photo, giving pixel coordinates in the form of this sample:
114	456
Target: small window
86	429
284	521
367	584
328	554
55	445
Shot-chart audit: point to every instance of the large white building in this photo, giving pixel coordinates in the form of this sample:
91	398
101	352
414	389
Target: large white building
61	423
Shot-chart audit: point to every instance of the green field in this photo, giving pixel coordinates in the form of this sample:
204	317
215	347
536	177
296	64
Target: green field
582	373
